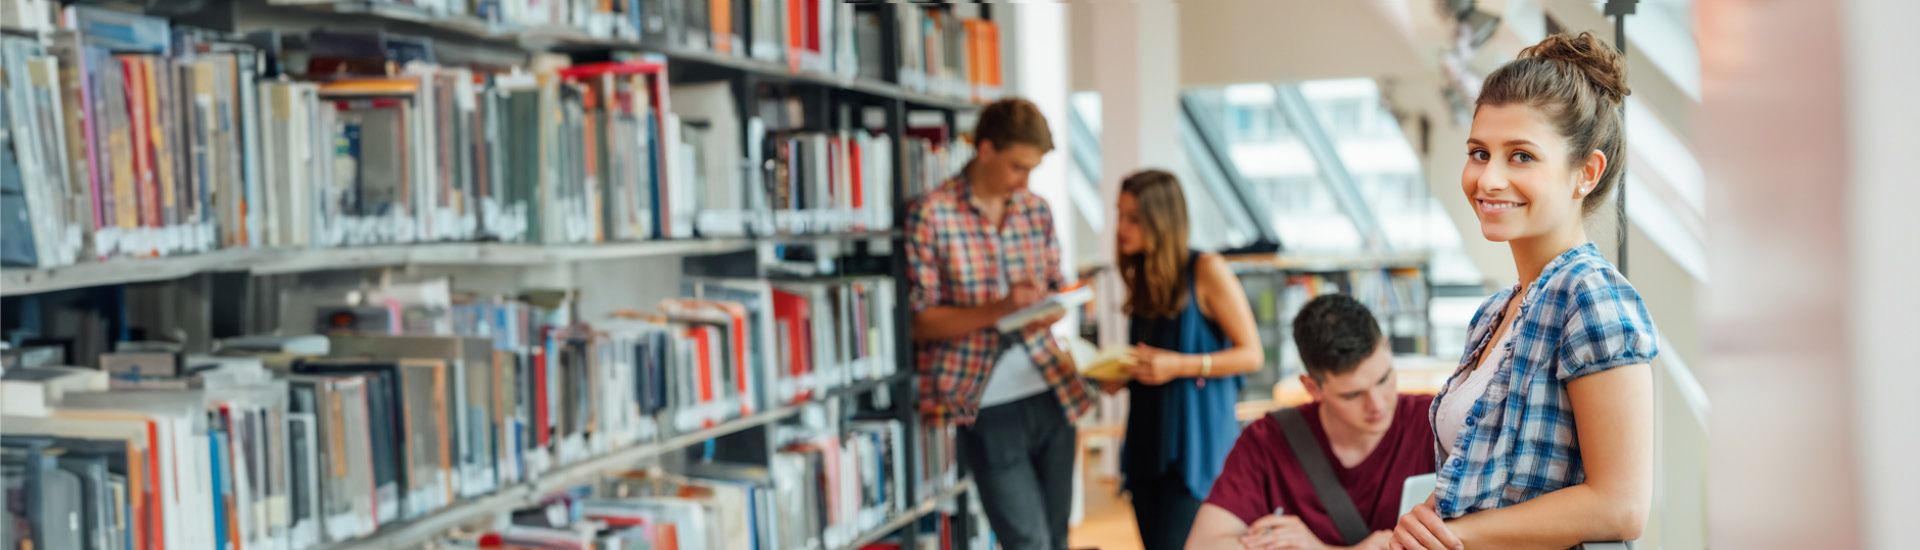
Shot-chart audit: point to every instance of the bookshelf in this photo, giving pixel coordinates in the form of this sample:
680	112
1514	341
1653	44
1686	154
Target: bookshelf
563	38
918	511
1395	287
420	531
269	261
838	103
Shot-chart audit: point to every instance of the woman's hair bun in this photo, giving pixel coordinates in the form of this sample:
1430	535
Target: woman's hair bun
1603	66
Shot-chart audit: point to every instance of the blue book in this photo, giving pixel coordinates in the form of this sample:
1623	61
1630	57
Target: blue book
217	448
122	31
16	221
656	177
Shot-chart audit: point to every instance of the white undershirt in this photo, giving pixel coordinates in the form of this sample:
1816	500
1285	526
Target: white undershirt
1014	377
1451	420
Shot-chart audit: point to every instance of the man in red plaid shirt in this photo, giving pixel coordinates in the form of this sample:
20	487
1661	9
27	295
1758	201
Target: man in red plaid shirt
979	247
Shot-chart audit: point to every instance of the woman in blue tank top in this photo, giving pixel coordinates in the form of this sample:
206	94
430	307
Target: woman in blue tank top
1193	336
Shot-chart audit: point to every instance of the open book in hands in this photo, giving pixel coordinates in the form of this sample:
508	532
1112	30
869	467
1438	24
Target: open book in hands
1102	365
1054	305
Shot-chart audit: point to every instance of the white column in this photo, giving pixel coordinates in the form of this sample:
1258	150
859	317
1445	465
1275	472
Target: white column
1805	131
1136	60
1034	44
1885	259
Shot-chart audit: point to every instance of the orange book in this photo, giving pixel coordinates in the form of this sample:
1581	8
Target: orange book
976	56
162	164
667	538
137	494
369	87
796	32
993	56
720	23
703	363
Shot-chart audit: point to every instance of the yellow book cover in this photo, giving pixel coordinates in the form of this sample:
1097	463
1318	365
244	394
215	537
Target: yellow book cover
1104	365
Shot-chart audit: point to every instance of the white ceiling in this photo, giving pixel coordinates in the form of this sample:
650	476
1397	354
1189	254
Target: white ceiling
1239	41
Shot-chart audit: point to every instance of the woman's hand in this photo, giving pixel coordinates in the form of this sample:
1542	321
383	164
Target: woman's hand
1154	366
1422	529
1113	386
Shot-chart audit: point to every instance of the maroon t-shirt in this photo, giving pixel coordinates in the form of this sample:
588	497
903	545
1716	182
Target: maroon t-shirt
1262	474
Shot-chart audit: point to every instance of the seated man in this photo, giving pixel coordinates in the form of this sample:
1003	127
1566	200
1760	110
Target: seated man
1365	435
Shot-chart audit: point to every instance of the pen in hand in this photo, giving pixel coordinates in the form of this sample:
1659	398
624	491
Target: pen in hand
1278	511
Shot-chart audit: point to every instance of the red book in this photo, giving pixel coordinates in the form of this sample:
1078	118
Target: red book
540	434
229	501
136	91
739	316
621	68
156	518
853	164
792	312
813	26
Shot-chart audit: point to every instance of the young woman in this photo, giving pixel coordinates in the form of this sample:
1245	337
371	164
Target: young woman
1193	337
1545	431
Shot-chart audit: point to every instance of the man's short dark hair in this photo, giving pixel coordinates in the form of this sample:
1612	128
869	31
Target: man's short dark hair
1335	333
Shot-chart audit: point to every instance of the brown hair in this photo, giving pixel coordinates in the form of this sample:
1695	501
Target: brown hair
1154	282
1010	122
1578	82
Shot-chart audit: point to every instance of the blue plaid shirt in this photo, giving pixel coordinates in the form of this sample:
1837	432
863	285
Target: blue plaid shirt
1579	318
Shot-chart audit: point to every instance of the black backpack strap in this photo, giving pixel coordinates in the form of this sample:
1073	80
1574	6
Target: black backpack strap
1326	484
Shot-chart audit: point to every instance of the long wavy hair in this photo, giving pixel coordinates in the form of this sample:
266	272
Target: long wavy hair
1153	277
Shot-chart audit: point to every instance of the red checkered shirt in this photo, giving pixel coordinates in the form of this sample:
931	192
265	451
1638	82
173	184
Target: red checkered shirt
955	259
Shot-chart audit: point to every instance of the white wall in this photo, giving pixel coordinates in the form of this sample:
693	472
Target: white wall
1236	41
1789	459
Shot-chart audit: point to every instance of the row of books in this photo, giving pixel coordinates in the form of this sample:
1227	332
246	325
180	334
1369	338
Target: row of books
823	487
27	15
182	141
1401	291
796	178
813	336
1397	297
147	468
946	53
932	158
947	49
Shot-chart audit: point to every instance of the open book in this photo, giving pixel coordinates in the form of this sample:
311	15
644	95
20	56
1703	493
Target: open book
1103	365
1055	304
